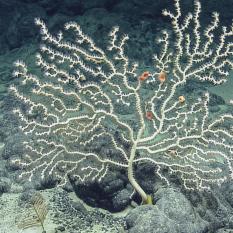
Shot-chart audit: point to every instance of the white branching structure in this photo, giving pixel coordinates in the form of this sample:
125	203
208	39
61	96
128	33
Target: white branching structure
90	109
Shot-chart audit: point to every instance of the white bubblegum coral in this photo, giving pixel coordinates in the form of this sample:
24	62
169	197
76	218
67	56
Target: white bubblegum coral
90	109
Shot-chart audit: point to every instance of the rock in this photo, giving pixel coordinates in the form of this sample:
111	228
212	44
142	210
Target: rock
112	193
121	200
214	109
5	185
216	100
60	229
224	230
172	213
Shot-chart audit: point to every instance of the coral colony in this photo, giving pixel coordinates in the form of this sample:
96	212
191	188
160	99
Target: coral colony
91	109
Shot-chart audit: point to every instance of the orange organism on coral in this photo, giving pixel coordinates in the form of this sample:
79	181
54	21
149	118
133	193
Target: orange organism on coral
149	115
181	99
162	77
145	75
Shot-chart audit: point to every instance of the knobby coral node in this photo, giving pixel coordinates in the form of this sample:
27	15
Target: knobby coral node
145	75
181	99
149	115
162	77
